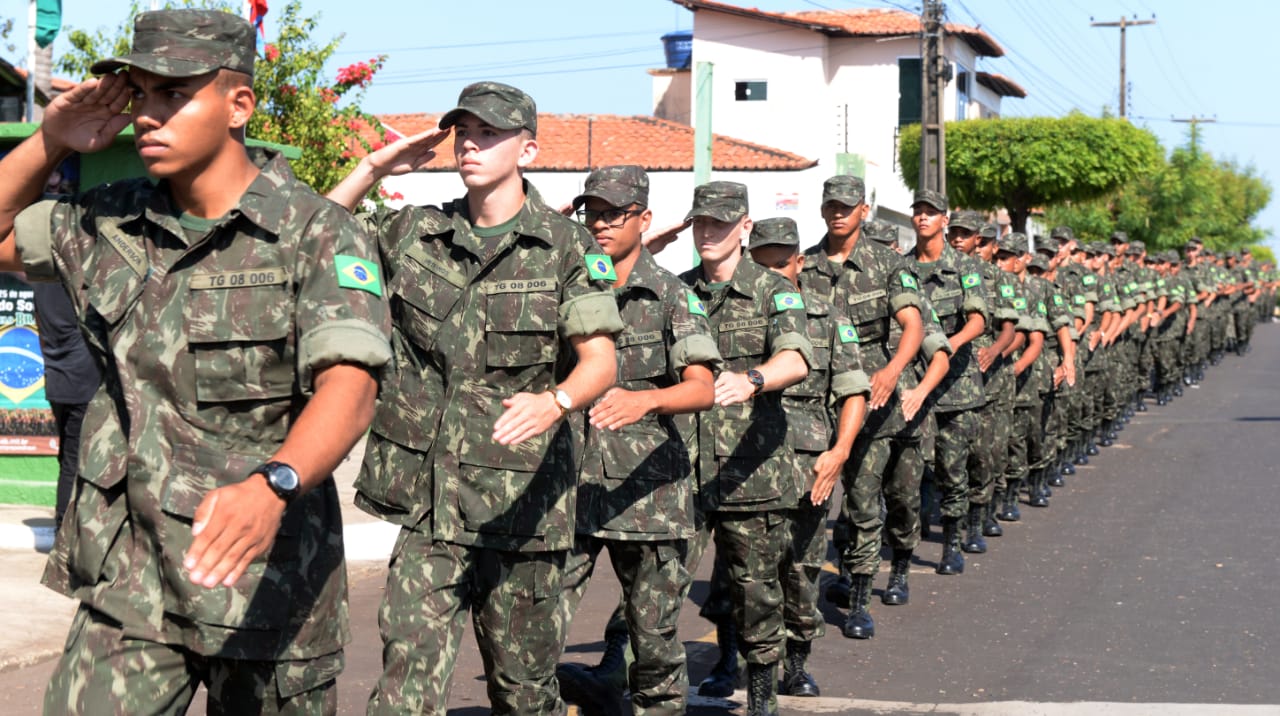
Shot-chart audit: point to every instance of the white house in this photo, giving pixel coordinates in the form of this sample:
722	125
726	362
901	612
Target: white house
832	85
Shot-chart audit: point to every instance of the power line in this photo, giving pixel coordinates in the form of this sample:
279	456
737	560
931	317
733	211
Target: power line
501	43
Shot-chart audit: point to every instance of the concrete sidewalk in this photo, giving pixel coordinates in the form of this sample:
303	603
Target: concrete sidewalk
34	619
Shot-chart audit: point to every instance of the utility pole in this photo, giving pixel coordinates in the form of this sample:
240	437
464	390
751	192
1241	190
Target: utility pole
1122	24
1195	123
935	72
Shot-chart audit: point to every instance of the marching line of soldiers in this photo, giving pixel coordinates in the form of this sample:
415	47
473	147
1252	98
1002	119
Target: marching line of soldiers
536	390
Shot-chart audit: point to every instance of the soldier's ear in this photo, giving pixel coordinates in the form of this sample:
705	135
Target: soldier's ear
528	151
242	102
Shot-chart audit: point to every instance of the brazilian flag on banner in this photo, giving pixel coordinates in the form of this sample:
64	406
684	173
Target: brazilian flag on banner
48	21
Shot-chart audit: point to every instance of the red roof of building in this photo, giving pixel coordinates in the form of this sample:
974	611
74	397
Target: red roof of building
579	142
854	22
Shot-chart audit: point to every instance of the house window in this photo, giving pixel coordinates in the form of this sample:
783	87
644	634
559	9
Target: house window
909	91
963	77
751	91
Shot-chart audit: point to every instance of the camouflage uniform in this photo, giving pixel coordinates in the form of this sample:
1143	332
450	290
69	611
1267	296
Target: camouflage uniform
479	314
813	409
872	285
953	284
1026	431
746	465
999	384
209	333
635	488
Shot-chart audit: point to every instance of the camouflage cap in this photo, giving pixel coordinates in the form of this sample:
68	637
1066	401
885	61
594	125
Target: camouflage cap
880	231
988	232
1119	237
1038	262
1043	247
1106	249
846	189
1015	242
619	186
721	200
779	231
186	43
1090	248
1136	247
937	200
1062	233
497	105
965	219
1193	243
1171	256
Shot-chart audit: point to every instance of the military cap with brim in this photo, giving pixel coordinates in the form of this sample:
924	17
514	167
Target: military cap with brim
880	231
779	231
186	43
1038	262
965	219
1062	233
1172	257
1106	249
720	200
1119	237
617	186
1043	247
937	200
848	190
988	232
1015	242
497	105
1193	242
1136	247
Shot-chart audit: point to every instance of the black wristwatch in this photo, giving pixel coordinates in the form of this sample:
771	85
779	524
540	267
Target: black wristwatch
757	380
281	478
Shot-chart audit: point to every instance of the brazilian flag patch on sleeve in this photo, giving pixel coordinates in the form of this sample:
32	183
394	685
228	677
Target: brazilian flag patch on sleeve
357	273
909	281
1057	300
1090	280
1044	311
1079	300
971	280
600	267
788	301
696	306
1019	304
1006	291
848	334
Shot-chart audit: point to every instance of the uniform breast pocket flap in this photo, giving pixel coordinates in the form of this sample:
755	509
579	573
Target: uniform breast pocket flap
242	342
642	356
520	322
743	338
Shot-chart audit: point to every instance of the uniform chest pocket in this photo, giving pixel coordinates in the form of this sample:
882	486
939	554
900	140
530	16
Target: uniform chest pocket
520	322
868	311
742	338
242	341
423	293
641	356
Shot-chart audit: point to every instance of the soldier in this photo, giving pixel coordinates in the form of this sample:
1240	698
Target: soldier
875	287
746	464
239	320
635	487
996	357
834	393
494	295
953	284
1079	287
1059	368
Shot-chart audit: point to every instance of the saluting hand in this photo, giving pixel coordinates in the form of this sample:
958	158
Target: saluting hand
233	525
660	239
407	154
88	118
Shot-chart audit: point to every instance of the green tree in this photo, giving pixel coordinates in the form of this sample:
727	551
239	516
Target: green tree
1024	163
297	104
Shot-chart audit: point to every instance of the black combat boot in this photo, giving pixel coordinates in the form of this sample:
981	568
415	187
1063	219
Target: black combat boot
1037	491
859	624
1162	395
795	680
1009	507
897	592
762	679
974	542
1062	464
1091	448
1054	477
598	689
1140	403
952	560
838	590
1078	449
723	678
991	528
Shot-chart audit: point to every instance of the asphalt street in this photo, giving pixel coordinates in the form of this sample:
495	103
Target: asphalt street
1148	586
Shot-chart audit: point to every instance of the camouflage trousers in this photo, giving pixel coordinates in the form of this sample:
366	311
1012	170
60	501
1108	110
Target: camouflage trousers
751	550
514	601
1046	426
879	468
1244	318
958	435
1026	438
1169	359
802	566
1217	328
996	418
102	671
654	584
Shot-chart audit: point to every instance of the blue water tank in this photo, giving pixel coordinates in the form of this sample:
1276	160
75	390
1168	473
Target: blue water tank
678	47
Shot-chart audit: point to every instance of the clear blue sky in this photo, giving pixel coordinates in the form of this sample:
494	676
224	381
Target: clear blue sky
1199	59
